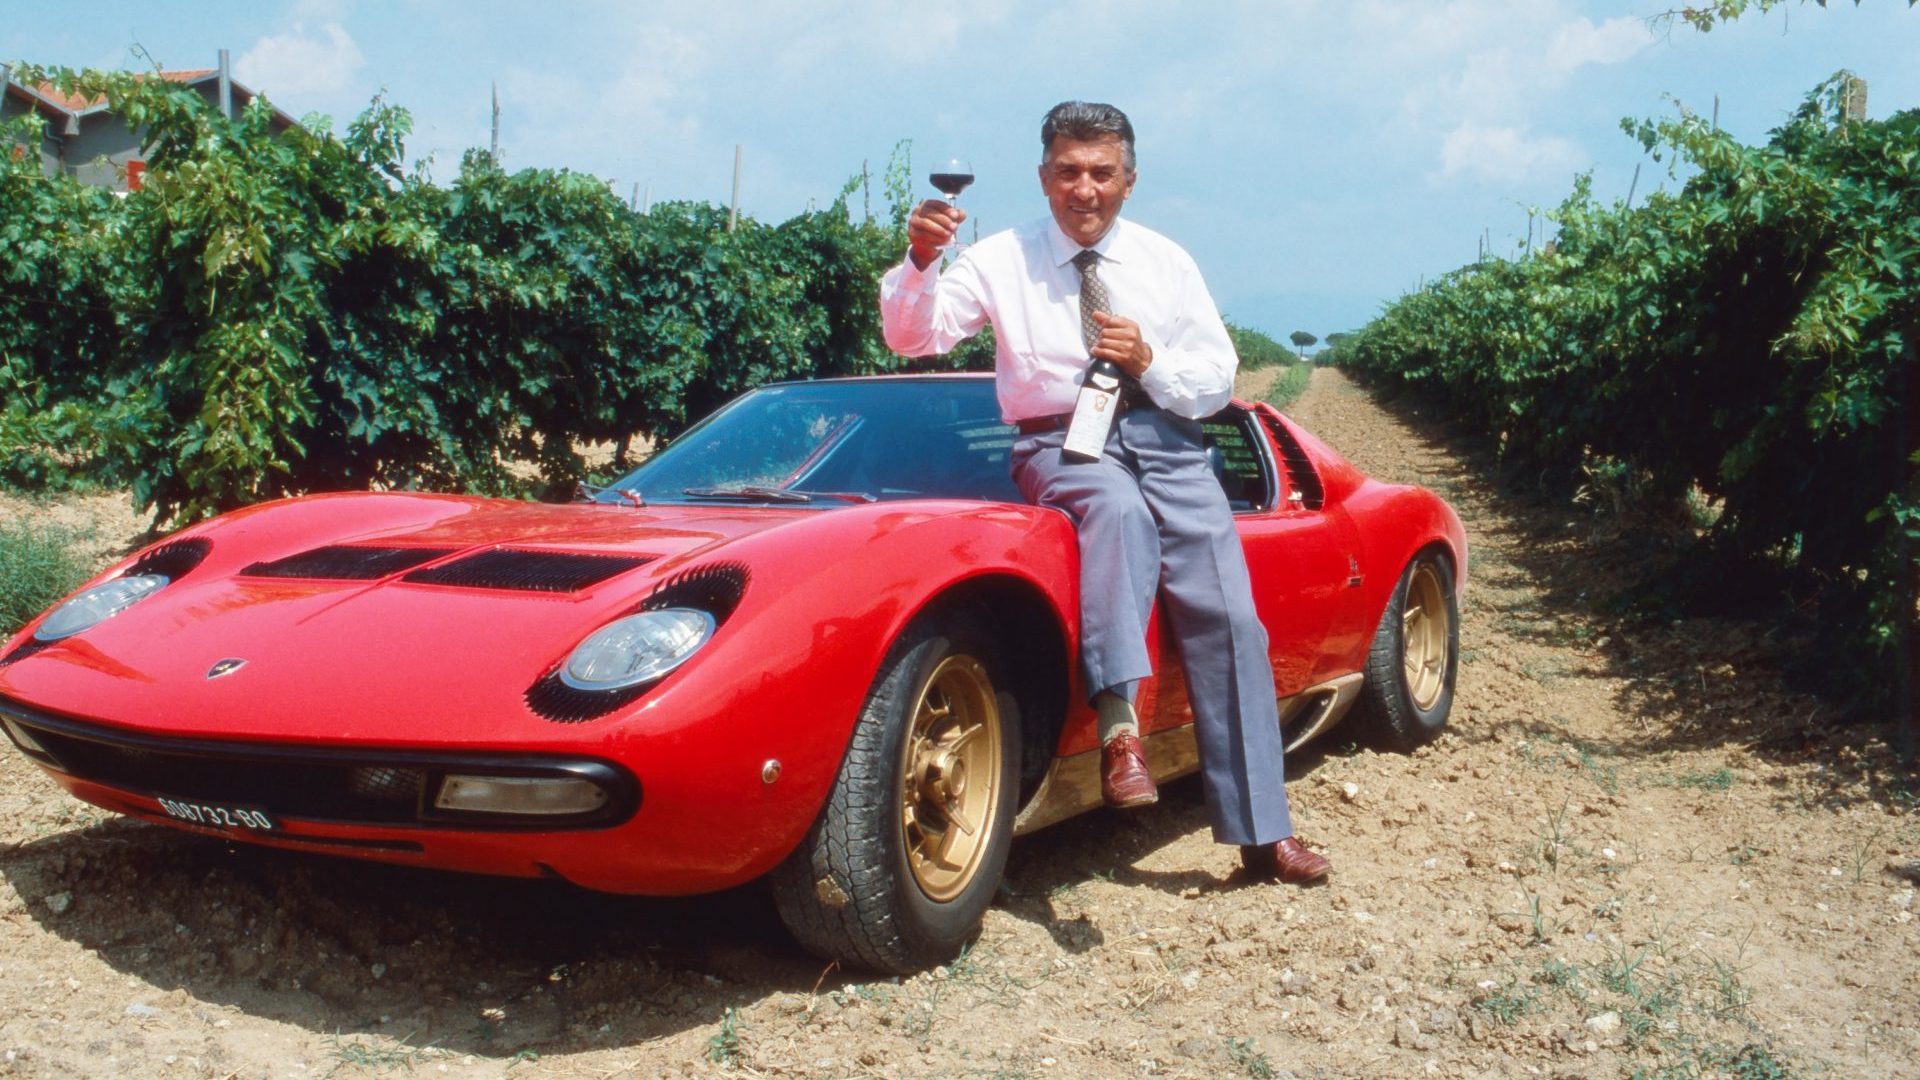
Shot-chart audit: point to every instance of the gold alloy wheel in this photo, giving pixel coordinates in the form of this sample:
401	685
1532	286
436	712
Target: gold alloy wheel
952	755
1426	635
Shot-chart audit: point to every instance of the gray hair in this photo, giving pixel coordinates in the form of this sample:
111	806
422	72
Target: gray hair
1087	121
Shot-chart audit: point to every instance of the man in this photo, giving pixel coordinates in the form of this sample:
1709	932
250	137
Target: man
1149	513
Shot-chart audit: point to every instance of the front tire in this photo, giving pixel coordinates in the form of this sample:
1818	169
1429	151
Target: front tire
1415	655
900	867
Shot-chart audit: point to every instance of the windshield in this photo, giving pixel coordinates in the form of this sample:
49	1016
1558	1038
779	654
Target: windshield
837	442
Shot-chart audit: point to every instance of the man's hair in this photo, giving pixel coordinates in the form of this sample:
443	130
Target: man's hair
1087	121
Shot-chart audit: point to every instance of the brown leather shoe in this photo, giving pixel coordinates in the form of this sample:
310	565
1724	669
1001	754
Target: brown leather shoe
1287	861
1124	779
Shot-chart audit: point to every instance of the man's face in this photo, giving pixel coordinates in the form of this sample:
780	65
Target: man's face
1086	181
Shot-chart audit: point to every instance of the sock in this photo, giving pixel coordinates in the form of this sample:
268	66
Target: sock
1116	716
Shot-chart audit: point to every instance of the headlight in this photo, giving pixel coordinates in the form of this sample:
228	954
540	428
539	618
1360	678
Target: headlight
98	604
637	649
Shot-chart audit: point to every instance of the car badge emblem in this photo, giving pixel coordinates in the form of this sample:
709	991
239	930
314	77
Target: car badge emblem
225	667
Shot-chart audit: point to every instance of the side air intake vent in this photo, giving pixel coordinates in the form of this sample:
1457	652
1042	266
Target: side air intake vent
1302	480
175	559
347	562
715	589
528	571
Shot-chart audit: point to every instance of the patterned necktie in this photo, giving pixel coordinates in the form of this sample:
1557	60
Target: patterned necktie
1093	294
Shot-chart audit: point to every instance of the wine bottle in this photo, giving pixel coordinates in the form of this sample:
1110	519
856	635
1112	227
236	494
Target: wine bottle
1093	412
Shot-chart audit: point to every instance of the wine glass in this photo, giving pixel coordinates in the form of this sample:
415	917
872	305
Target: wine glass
951	177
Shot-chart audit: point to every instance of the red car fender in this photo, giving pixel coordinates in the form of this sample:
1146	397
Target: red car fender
777	691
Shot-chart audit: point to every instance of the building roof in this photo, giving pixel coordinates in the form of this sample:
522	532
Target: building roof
51	99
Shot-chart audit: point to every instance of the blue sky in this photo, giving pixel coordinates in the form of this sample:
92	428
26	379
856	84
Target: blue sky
1318	158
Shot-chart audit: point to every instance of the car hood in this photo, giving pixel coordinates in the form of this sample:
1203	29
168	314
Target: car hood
405	658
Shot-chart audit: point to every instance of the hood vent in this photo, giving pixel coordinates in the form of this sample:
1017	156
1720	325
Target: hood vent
347	562
528	571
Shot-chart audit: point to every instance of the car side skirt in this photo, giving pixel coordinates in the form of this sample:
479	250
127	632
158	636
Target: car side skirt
1072	786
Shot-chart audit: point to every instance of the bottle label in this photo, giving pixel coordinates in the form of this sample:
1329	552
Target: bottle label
1093	414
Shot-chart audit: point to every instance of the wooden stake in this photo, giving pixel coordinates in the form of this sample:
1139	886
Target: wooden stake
733	211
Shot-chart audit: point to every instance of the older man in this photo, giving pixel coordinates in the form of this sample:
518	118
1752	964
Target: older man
1148	513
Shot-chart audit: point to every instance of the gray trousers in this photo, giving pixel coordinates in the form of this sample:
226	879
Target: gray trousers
1151	518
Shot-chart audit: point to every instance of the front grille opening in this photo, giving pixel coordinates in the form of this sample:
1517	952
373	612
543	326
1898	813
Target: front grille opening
347	562
313	784
528	571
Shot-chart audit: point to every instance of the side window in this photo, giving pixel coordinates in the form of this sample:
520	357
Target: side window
1233	449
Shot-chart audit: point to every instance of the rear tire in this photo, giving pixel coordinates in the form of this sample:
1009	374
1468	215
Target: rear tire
900	867
1415	655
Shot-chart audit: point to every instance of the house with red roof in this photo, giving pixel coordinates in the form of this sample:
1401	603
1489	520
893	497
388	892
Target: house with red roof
84	139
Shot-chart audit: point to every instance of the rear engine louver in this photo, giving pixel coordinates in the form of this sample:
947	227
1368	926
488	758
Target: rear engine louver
1301	477
528	571
347	562
715	589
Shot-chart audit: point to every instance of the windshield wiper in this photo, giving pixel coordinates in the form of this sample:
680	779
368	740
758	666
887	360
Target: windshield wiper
760	494
585	492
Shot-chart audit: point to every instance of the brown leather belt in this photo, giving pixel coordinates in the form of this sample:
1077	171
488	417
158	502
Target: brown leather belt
1038	424
1129	402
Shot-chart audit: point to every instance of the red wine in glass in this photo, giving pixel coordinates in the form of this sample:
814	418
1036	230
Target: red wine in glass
951	177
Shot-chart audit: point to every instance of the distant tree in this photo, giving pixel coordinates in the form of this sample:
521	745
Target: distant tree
1334	340
1302	341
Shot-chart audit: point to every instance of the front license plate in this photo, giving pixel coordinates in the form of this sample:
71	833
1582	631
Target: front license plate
218	815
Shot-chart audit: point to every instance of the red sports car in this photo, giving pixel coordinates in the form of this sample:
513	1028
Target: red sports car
817	638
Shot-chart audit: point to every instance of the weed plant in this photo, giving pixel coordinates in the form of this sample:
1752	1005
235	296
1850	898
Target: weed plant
38	565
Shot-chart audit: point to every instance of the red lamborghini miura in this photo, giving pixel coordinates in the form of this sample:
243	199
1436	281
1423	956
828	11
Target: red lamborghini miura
818	638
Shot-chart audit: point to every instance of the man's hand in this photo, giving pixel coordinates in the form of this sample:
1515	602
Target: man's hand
1120	342
930	227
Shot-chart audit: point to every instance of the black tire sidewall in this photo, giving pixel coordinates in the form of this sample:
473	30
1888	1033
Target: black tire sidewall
1425	723
927	927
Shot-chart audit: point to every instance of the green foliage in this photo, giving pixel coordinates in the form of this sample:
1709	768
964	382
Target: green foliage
38	565
1257	350
1714	12
1752	336
1302	340
286	312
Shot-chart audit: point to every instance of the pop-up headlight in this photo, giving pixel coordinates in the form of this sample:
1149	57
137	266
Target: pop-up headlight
637	649
98	604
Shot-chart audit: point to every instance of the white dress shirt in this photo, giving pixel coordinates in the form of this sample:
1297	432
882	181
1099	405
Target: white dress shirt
1024	282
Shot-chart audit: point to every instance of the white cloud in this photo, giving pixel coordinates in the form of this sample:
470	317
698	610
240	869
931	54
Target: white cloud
301	62
1581	42
1505	153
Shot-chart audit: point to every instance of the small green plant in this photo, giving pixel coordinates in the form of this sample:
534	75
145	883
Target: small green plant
1719	779
1508	1003
378	1054
1250	1059
38	565
724	1046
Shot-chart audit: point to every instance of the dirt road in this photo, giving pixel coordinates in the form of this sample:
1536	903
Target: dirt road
1633	852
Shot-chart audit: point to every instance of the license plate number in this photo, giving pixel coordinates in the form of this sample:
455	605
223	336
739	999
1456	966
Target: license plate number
218	816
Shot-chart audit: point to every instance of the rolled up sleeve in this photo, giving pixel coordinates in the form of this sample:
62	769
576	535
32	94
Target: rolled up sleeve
1192	370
